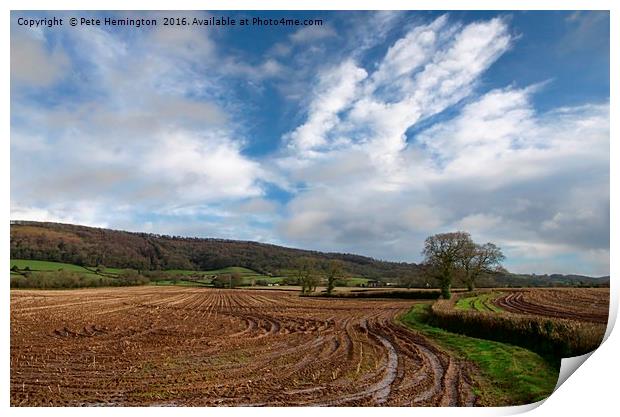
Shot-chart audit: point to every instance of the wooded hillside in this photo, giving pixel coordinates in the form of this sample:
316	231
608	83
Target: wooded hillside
89	246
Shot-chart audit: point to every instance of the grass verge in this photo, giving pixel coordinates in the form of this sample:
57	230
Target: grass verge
480	302
509	375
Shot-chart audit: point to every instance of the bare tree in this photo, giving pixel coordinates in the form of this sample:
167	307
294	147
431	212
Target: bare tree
442	257
234	280
477	260
306	275
334	271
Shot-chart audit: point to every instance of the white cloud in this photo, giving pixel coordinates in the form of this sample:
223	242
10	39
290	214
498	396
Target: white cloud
479	222
372	29
312	33
142	125
498	169
423	217
499	139
76	213
410	52
201	168
432	67
335	90
267	69
34	62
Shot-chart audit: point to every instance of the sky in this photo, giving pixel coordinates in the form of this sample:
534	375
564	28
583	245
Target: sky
364	135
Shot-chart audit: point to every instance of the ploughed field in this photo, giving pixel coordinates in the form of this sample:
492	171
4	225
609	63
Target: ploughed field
206	347
582	304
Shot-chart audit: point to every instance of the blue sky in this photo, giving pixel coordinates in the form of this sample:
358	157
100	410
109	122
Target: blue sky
363	135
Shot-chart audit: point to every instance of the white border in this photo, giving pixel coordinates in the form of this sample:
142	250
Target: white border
590	391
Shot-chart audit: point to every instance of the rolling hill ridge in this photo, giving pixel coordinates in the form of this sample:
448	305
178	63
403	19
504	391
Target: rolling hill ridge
89	246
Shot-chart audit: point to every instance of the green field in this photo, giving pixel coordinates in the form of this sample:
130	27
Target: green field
228	270
173	276
356	281
185	277
247	275
44	266
480	302
44	274
509	374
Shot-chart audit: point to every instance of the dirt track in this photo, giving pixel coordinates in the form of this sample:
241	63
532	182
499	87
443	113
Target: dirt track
582	304
196	347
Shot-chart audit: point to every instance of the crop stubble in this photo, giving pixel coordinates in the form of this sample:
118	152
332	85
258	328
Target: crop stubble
201	347
581	304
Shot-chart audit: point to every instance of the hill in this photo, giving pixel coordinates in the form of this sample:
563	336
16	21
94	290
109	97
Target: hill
89	246
552	280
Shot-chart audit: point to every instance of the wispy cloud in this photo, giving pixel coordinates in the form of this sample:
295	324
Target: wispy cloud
369	186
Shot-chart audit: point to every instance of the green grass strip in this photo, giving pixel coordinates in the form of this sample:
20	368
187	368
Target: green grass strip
481	302
509	375
43	266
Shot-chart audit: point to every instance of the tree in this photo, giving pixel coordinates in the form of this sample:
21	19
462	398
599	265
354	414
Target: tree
306	275
131	277
442	257
477	260
220	281
410	279
235	280
334	270
227	280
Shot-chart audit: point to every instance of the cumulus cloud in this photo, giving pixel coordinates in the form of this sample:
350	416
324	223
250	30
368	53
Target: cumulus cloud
141	126
498	140
201	168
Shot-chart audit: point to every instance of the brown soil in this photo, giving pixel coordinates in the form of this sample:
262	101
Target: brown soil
583	304
205	347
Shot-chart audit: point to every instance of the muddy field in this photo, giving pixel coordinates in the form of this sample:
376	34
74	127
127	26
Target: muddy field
582	304
204	347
